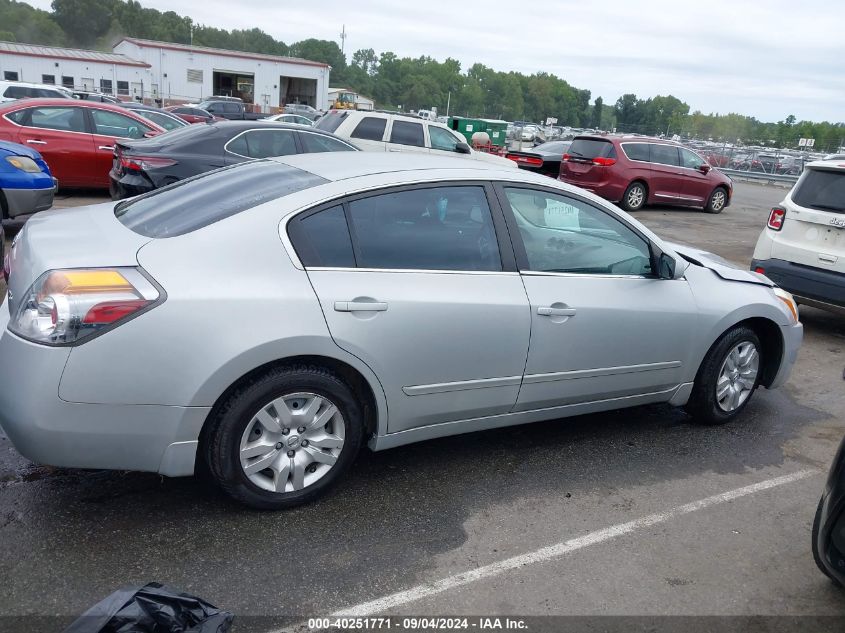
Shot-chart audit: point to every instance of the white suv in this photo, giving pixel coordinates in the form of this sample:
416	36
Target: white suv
802	248
388	132
11	90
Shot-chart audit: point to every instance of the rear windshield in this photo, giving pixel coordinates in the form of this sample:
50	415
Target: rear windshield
821	189
591	148
331	121
191	204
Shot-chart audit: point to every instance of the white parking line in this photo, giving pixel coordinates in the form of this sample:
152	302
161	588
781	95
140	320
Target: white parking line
382	605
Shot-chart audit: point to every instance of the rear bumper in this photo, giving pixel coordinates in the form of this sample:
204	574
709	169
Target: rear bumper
811	286
48	430
610	190
26	201
128	185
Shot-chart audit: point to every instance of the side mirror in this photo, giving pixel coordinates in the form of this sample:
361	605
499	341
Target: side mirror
704	168
666	266
462	148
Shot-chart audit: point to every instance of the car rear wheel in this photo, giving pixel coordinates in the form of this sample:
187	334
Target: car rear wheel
727	378
285	438
717	201
635	197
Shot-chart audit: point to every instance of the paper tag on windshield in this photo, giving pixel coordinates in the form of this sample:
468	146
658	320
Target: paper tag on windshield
559	215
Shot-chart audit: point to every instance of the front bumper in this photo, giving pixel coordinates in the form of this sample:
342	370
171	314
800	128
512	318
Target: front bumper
792	337
48	430
812	286
26	201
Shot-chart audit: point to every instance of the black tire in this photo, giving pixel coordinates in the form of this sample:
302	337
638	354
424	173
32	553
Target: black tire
634	187
224	437
717	201
703	405
815	535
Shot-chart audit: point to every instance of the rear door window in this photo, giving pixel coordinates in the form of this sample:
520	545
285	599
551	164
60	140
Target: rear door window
370	128
636	151
664	154
263	144
432	228
821	189
315	143
65	119
405	133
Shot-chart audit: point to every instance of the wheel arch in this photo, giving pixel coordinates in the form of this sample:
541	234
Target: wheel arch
371	395
771	339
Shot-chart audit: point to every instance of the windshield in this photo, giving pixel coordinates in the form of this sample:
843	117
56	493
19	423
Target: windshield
202	200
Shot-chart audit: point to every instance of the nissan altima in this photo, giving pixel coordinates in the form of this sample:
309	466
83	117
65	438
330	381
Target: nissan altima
265	321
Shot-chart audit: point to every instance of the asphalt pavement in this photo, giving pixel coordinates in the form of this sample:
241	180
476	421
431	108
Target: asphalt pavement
635	512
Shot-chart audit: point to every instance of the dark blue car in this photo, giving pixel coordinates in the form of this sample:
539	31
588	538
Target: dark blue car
26	185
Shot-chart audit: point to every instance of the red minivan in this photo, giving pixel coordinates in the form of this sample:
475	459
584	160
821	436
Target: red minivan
75	137
637	170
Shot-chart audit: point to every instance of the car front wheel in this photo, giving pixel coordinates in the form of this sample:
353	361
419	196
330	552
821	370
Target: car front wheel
717	201
727	378
285	438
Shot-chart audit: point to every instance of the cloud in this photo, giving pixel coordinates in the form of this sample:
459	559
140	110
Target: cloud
765	59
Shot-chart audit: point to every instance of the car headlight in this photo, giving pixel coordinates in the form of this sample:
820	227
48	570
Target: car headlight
24	164
789	301
66	306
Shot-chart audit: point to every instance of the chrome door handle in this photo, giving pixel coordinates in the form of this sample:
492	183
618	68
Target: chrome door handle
359	306
108	147
31	142
549	311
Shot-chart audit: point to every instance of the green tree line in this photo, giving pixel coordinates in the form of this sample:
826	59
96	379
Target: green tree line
411	83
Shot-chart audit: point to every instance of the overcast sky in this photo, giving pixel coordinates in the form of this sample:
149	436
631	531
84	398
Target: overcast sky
764	58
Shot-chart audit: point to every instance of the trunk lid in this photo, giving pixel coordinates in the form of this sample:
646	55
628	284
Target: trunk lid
581	164
85	237
813	232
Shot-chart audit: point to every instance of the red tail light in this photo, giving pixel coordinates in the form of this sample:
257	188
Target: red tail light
760	270
776	218
525	160
604	162
566	157
143	163
111	311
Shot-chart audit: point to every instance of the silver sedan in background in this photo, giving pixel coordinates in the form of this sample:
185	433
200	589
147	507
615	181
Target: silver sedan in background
268	319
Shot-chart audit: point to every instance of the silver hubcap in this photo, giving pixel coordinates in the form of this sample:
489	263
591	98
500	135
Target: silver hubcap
635	197
292	442
737	376
718	200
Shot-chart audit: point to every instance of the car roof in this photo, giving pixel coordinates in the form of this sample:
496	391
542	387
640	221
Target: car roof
28	84
626	138
834	163
82	103
338	166
257	123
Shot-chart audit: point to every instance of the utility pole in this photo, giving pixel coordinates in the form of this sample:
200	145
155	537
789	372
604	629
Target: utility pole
342	39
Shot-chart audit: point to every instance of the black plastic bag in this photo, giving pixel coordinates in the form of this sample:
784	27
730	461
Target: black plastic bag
152	608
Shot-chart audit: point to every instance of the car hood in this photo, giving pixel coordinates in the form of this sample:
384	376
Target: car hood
15	149
719	265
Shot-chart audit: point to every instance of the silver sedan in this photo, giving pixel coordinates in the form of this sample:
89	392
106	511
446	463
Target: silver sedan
268	319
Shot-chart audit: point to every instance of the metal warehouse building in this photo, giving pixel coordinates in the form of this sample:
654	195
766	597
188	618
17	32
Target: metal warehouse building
173	73
190	73
92	71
